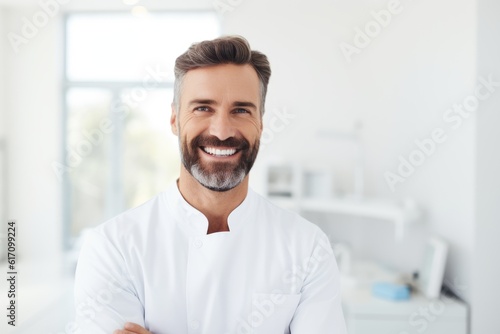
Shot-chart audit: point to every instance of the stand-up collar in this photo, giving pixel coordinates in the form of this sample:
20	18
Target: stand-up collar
195	222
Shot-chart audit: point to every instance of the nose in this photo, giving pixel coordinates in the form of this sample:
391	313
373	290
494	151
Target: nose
221	126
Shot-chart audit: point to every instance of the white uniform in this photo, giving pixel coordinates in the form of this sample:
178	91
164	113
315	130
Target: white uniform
155	265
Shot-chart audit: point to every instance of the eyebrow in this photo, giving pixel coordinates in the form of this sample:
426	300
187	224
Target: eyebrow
212	102
201	101
244	104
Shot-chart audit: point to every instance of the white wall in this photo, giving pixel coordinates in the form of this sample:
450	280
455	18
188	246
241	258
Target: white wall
399	87
34	136
3	190
2	73
33	131
486	293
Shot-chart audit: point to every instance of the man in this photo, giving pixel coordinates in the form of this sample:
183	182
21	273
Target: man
209	255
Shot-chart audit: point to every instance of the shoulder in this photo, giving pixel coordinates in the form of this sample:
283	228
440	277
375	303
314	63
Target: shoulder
134	222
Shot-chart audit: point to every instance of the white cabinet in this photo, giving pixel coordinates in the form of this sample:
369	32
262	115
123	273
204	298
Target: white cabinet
366	314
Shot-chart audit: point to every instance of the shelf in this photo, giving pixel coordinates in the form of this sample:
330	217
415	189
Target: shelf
310	189
400	214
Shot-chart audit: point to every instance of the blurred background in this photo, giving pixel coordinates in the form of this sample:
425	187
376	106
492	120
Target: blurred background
380	127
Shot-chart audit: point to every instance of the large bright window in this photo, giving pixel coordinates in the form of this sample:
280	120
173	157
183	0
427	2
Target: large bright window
118	147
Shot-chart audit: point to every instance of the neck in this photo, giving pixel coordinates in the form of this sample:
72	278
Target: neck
215	205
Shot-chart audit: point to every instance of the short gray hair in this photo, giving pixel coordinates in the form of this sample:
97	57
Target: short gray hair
222	50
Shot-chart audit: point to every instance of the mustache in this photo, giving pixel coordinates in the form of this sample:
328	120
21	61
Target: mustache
232	142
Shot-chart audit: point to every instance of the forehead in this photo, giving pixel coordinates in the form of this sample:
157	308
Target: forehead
219	82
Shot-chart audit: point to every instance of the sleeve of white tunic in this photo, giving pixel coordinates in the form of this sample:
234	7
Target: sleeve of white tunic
105	297
320	307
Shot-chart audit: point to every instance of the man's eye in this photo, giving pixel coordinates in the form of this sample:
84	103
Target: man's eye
202	109
241	111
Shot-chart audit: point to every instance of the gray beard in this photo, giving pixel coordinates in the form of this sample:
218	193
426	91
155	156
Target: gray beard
219	180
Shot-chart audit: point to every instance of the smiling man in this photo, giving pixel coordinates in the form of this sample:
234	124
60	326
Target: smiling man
209	255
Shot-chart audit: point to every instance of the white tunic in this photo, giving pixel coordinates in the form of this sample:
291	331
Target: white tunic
155	265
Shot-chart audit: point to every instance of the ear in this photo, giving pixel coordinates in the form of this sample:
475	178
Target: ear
173	120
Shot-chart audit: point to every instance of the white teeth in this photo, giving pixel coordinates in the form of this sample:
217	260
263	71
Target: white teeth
217	152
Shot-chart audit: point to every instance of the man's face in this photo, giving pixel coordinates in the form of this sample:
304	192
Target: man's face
219	124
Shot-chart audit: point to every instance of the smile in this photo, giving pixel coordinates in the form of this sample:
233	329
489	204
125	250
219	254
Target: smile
218	152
